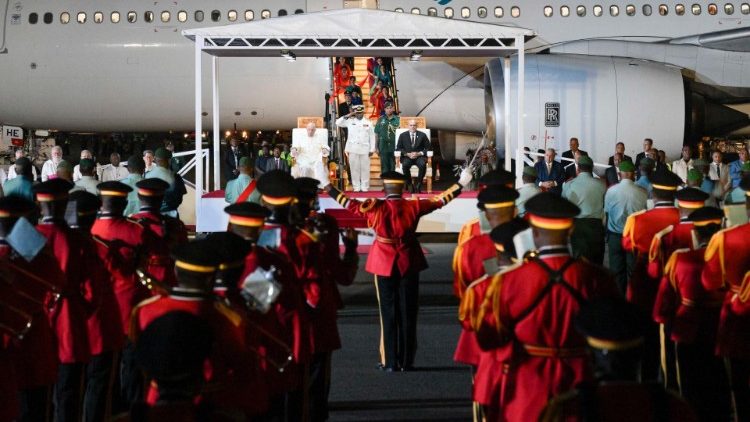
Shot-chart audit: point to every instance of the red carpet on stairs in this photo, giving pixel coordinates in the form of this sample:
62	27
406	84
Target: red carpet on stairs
365	249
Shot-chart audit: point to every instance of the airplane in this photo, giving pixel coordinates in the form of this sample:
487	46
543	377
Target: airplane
614	71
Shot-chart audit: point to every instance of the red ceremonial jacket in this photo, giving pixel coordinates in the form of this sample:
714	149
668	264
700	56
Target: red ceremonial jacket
394	221
303	252
170	232
727	263
129	245
470	229
668	240
682	302
68	316
549	355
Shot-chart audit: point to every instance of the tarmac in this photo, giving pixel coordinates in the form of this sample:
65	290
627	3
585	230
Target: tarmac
439	389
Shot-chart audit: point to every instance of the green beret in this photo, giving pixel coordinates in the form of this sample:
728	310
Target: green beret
699	162
163	153
86	164
585	161
694	175
529	171
647	163
746	166
627	166
64	165
245	162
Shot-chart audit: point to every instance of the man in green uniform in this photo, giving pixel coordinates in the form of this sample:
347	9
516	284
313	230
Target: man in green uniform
237	187
385	136
587	193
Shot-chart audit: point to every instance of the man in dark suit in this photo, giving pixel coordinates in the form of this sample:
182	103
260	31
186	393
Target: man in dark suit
550	174
276	162
619	149
612	174
570	167
413	145
648	143
232	157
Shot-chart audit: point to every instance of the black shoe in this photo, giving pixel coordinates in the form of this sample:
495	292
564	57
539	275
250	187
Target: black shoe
408	368
384	368
419	188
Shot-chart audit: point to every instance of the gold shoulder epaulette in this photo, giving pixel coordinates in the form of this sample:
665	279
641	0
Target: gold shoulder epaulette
367	205
229	313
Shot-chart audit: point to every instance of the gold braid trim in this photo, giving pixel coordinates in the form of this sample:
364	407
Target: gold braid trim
716	245
456	266
629	230
744	294
671	266
367	205
654	251
228	313
448	194
133	330
492	298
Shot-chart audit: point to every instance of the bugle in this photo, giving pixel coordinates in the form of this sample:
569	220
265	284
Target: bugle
279	364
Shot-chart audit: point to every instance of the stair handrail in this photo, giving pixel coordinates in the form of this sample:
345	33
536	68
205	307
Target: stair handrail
394	91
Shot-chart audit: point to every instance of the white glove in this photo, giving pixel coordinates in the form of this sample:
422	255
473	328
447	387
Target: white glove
466	177
293	152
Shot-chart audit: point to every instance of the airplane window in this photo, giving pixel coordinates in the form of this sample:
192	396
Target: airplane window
515	11
581	11
597	10
431	11
646	10
548	11
696	8
630	10
81	17
132	17
745	9
199	16
114	17
48	17
98	17
298	11
33	18
232	15
465	12
482	12
182	16
414	10
282	12
564	11
712	9
165	16
663	9
249	15
448	12
148	16
215	15
614	10
498	12
679	9
265	14
399	10
729	8
64	17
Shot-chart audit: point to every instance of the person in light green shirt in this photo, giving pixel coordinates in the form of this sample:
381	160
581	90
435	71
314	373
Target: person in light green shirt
528	190
385	135
235	187
737	195
21	185
136	167
587	193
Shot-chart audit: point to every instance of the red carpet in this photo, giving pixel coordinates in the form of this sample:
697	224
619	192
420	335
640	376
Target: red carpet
365	249
362	195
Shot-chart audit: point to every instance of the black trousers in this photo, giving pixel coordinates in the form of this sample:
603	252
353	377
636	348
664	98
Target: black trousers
99	377
703	381
620	261
34	404
131	378
420	162
398	300
587	239
320	386
67	396
739	373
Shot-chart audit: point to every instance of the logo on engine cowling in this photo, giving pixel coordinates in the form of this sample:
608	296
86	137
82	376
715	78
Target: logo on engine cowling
552	114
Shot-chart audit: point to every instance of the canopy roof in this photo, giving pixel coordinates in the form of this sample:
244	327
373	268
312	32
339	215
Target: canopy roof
365	32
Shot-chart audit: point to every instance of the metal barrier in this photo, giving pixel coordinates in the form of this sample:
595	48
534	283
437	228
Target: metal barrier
191	164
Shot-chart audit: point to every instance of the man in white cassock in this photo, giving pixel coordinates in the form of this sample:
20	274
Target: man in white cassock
309	150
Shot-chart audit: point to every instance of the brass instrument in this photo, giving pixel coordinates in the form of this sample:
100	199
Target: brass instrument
150	282
285	348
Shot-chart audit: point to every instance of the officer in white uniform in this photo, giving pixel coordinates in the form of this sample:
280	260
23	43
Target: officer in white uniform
360	145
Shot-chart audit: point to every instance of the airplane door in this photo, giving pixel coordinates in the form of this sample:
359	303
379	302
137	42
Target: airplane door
4	4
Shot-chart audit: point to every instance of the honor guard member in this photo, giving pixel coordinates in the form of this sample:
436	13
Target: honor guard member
196	264
360	144
170	231
385	137
480	225
547	358
620	201
498	204
285	321
334	271
136	167
614	332
587	193
640	229
34	357
129	246
692	314
678	236
396	259
242	188
103	324
68	317
527	190
489	374
727	265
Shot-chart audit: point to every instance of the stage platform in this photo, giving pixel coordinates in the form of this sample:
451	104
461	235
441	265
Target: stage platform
448	219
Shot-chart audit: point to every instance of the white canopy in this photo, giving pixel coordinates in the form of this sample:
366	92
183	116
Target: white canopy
364	31
350	32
